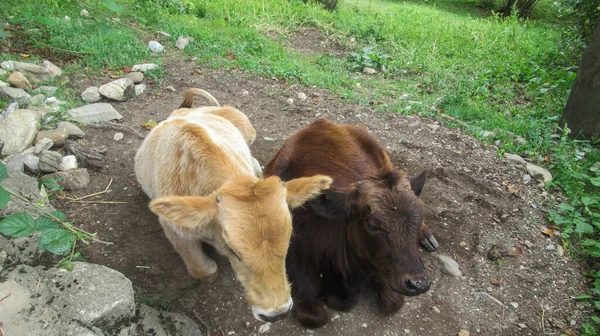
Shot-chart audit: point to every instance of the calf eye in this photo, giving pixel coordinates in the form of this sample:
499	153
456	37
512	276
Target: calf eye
374	228
235	254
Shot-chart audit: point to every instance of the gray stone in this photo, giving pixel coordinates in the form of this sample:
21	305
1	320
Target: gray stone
43	144
119	90
27	186
11	108
139	89
18	130
164	323
290	101
515	158
46	90
449	265
58	136
72	130
118	136
85	13
36	100
102	296
550	247
91	94
17	161
539	173
161	36
69	162
560	251
136	77
520	140
155	47
526	178
75	179
487	134
15	94
54	70
34	73
3	84
3	72
18	80
369	71
32	164
170	88
8	65
50	161
433	127
144	67
94	113
182	42
302	96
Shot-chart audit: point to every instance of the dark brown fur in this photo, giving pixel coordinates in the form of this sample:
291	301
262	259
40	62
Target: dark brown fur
365	227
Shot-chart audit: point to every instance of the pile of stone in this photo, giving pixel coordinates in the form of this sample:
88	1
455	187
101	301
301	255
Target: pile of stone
121	89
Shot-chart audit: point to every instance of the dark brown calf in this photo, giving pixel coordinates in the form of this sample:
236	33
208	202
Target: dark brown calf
366	226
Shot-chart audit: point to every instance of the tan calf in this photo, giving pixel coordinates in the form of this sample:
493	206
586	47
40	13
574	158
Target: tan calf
206	187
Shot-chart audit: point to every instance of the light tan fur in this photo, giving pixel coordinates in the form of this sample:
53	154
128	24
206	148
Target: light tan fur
197	169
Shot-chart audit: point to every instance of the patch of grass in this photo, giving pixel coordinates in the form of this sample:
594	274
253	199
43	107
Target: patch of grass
158	302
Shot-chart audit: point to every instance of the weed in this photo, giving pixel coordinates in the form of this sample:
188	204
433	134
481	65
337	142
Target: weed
367	57
158	302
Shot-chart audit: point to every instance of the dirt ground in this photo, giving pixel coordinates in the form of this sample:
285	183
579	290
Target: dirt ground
466	203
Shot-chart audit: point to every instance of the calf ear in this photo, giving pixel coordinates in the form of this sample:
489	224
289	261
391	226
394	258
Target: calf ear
300	190
417	182
336	204
188	212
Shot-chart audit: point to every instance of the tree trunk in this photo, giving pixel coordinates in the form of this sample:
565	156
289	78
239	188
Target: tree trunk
582	113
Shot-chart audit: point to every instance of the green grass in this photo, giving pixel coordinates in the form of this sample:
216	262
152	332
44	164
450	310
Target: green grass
453	57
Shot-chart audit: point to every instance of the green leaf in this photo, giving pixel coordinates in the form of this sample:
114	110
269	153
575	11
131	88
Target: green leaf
113	6
45	223
586	200
48	21
57	241
3	171
582	227
103	28
52	183
17	225
4	198
595	181
3	35
66	264
565	207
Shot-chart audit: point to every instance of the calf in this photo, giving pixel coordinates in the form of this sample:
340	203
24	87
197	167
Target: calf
204	185
366	226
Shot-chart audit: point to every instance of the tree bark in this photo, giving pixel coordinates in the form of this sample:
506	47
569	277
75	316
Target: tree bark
582	113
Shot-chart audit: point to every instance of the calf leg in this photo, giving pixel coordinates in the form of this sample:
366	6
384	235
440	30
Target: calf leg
391	301
306	287
339	294
198	264
426	238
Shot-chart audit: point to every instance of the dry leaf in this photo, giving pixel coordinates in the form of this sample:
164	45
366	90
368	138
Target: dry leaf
464	332
570	332
516	251
107	70
150	124
114	77
548	232
547	159
495	282
25	55
505	182
463	243
126	69
511	189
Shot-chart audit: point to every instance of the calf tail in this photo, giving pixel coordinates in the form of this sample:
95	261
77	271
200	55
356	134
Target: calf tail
190	95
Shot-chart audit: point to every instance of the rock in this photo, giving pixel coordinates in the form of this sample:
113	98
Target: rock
85	13
153	322
3	84
58	136
53	103
8	65
245	93
11	108
436	309
37	74
18	80
28	188
290	101
72	130
182	42
487	134
3	72
91	94
268	139
449	265
49	161
139	89
136	77
17	161
94	113
264	328
18	130
515	158
520	140
68	162
560	251
36	100
53	69
433	127
119	90
161	36
170	88
464	332
497	252
550	247
302	96
539	173
43	144
155	47
75	179
15	94
144	67
528	244
118	136
46	90
526	178
32	164
514	304
369	71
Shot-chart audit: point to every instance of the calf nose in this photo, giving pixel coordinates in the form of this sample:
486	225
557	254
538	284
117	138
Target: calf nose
275	317
416	286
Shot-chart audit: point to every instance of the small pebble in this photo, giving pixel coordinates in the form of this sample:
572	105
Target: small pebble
550	247
559	251
514	304
118	136
302	96
435	309
170	88
290	101
364	325
268	139
528	244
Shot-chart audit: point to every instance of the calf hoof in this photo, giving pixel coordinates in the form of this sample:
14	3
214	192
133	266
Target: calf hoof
209	274
391	302
310	315
429	242
341	304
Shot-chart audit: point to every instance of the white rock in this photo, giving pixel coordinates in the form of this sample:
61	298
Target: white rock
3	84
8	65
264	328
67	18
560	251
144	67
139	89
268	139
245	93
433	127
369	71
526	178
435	309
11	108
550	247
515	158
118	136
539	173
18	130
120	90
68	162
72	130
85	13
156	47
14	94
182	42
302	96
53	69
449	265
94	113
3	72
91	94
487	134
170	88
290	101
514	304
364	325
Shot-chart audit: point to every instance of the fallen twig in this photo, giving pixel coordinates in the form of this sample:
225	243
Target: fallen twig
98	202
90	195
7	295
142	266
199	319
117	127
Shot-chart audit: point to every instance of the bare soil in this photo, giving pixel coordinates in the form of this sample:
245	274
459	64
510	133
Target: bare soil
466	203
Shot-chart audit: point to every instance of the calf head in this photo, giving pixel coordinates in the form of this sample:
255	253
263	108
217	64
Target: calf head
252	221
384	217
